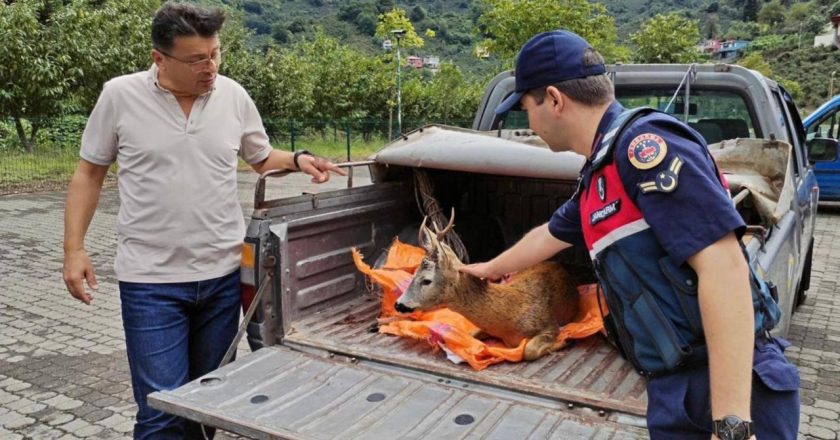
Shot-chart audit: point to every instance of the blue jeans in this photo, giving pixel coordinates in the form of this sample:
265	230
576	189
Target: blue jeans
679	404
175	333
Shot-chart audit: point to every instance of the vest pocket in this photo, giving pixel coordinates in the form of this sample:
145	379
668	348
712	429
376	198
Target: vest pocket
684	281
671	349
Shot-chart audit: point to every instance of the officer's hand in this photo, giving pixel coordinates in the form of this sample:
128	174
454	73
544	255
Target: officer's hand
77	270
318	167
482	270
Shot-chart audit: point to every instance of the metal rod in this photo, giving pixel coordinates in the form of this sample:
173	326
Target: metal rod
740	196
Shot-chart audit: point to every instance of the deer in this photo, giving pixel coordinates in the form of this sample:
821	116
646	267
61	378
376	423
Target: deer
533	304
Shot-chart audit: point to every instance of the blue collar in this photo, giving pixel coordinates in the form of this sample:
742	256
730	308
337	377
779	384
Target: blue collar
612	112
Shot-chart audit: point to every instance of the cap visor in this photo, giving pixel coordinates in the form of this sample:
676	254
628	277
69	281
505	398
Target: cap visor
509	103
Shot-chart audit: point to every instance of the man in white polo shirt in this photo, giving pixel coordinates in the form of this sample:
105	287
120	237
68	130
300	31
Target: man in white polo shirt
176	132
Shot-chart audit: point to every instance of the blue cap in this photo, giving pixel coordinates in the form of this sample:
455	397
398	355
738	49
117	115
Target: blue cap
546	59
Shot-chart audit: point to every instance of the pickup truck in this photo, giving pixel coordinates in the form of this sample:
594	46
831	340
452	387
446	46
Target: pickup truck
821	128
322	371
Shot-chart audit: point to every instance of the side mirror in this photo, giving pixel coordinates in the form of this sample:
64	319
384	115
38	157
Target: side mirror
822	150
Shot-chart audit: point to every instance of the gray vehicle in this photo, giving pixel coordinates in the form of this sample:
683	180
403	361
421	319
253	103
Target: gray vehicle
322	370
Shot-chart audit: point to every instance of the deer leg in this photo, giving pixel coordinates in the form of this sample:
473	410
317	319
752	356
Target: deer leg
541	344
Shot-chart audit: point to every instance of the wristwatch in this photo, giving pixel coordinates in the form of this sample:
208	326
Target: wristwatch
733	428
298	153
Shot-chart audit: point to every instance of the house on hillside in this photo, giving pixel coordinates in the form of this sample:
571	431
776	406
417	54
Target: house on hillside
432	62
415	61
709	46
832	37
730	50
723	51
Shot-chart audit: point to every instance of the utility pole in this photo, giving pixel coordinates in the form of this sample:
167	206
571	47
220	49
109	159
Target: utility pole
831	85
799	43
398	33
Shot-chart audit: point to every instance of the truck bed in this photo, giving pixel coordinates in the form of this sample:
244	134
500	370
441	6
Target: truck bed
280	393
590	372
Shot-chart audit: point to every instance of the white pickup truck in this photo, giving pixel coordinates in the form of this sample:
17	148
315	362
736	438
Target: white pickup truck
323	372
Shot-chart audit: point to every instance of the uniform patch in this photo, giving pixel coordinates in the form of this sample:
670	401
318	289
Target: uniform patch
605	212
647	151
602	188
666	181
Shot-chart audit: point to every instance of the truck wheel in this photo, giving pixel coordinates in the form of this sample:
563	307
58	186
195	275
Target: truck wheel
805	281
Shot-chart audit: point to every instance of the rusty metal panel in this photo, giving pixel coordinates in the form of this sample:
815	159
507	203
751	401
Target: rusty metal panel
277	393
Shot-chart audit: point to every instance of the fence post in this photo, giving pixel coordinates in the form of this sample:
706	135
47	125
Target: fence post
348	140
292	132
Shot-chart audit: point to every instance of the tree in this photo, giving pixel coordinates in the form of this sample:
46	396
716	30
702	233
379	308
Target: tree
507	24
56	56
711	28
772	13
751	8
395	19
756	61
739	30
418	13
667	38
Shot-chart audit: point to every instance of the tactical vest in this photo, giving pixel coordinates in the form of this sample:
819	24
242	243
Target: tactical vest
654	313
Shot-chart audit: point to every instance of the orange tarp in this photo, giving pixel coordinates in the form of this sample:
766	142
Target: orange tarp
450	331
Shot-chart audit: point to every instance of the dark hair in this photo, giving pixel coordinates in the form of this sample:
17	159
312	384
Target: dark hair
184	20
591	90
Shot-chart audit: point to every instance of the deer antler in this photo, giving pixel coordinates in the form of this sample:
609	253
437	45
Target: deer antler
440	234
422	231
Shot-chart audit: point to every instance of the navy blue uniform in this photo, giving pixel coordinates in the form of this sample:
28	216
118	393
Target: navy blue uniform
671	187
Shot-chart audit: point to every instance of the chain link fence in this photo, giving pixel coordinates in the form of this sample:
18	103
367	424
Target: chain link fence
50	159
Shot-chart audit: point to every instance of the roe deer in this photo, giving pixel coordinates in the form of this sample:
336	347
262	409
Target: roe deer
533	304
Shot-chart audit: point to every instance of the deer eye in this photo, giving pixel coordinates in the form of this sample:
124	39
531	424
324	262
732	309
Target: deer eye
426	282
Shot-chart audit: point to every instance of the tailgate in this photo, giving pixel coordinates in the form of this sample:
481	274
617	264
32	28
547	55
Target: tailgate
280	393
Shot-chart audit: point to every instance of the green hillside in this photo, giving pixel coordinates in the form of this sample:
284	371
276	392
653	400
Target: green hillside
354	22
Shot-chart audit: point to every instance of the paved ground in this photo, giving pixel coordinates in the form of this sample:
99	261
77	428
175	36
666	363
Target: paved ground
63	370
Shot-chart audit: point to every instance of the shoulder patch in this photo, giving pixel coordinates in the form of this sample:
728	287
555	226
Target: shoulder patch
647	151
666	181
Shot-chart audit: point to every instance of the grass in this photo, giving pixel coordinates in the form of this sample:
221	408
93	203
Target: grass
49	169
336	149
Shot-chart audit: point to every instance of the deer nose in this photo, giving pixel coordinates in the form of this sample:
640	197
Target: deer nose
402	308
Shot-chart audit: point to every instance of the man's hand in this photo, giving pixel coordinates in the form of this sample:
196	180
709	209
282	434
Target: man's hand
77	270
318	167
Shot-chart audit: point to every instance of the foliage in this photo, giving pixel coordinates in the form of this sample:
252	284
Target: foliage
711	27
667	38
772	13
756	61
396	20
740	30
773	42
65	52
751	9
811	67
507	24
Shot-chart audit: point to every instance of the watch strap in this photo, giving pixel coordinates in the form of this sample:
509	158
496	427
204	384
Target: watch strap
297	155
719	424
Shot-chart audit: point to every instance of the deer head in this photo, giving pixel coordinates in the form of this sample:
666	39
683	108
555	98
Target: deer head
437	272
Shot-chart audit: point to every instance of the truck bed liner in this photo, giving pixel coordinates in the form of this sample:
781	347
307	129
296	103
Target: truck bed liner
589	373
278	393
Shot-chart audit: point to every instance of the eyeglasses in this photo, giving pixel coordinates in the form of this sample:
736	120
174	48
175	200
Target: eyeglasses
200	65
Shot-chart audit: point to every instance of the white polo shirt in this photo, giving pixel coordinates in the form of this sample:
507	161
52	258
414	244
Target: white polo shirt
180	218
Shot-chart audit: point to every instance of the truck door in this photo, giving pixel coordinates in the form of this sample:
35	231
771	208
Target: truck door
825	125
805	202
